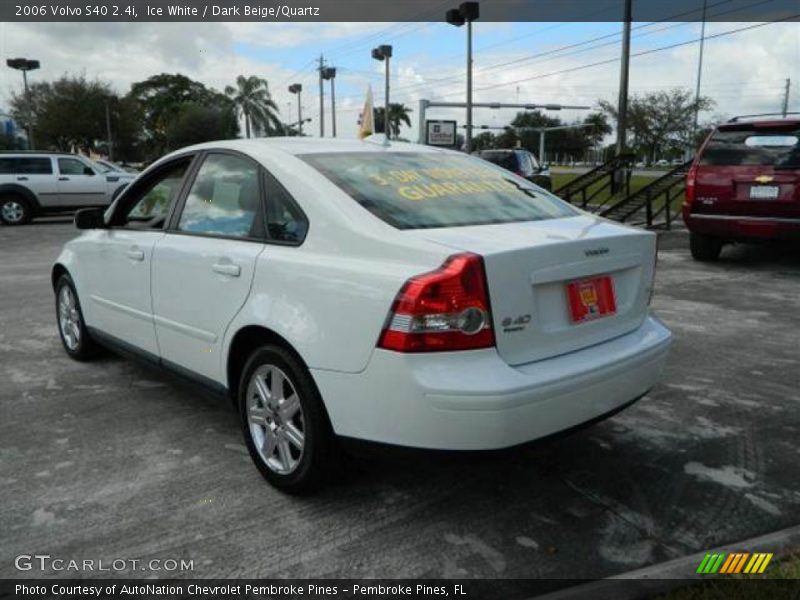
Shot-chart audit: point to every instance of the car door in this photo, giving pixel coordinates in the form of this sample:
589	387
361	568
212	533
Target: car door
203	266
119	263
33	173
79	184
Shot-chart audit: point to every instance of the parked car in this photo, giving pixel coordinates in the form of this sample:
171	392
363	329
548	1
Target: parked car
34	184
521	162
345	289
111	167
744	185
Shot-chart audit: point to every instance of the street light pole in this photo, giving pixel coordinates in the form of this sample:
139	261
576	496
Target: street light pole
621	175
330	73
467	12
384	53
297	88
25	65
321	99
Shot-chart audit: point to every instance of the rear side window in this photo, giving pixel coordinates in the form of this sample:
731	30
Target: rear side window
779	148
423	190
25	165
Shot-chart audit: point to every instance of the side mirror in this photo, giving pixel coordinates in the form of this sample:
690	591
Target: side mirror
90	218
88	171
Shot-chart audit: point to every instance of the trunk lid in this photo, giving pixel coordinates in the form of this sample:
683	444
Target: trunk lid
529	266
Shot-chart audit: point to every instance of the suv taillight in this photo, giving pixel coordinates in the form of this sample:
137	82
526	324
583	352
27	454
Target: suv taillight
446	309
691	184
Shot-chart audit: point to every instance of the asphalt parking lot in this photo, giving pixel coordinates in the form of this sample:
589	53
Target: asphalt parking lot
110	460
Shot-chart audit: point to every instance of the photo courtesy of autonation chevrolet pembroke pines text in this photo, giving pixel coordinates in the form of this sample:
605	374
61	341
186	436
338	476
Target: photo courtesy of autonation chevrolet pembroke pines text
379	299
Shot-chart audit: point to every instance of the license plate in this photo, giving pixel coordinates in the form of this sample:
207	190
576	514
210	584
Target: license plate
764	192
591	299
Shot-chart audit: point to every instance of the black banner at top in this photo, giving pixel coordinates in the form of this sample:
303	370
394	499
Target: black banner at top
394	10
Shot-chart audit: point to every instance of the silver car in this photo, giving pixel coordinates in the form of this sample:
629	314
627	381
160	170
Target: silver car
39	183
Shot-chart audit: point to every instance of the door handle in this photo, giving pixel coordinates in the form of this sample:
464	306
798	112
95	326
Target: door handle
63	178
227	268
22	179
135	253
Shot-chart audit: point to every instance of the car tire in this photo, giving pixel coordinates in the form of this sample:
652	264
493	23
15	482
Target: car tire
704	248
15	210
285	425
75	338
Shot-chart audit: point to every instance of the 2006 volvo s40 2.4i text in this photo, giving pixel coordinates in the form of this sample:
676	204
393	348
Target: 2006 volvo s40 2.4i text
396	293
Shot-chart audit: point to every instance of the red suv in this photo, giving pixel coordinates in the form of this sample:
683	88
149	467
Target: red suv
744	185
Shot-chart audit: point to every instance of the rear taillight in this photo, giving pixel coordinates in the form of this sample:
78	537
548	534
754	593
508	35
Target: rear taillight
446	309
691	184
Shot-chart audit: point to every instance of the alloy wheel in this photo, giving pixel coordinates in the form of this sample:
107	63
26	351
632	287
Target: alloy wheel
13	211
69	319
275	419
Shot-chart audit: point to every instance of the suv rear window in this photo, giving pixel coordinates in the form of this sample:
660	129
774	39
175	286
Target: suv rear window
26	165
507	160
423	190
765	147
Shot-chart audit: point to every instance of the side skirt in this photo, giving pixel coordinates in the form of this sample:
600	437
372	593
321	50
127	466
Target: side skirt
149	359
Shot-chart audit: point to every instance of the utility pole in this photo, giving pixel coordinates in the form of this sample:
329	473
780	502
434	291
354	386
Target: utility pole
108	134
321	99
786	96
330	73
699	76
622	106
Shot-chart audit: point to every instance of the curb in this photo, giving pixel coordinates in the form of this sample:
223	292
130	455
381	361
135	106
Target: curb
666	576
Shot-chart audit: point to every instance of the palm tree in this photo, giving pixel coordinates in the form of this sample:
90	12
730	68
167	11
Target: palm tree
253	101
398	113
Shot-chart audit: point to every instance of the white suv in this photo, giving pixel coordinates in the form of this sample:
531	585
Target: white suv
35	183
346	289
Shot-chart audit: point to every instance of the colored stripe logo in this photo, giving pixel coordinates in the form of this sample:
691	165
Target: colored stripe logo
734	562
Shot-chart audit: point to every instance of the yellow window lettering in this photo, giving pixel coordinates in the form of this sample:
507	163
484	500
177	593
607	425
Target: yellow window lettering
410	192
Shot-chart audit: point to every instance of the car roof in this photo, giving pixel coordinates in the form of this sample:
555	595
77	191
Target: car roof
311	145
35	153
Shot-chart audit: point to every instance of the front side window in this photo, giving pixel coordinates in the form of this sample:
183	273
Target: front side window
151	205
72	166
224	198
425	189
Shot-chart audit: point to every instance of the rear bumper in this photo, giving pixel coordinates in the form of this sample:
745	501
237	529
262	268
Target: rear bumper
738	227
475	401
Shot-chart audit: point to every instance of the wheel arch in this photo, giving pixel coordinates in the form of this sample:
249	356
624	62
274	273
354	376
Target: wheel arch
13	189
243	343
57	272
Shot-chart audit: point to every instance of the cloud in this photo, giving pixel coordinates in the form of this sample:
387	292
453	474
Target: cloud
744	72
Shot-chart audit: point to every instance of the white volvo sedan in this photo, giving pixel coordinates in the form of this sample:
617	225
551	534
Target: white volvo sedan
344	289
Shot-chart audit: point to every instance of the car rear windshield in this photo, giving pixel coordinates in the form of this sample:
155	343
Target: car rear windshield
424	190
765	147
507	160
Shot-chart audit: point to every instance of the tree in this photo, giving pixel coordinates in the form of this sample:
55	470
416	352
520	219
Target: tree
253	101
398	114
484	141
161	99
196	124
67	113
660	122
